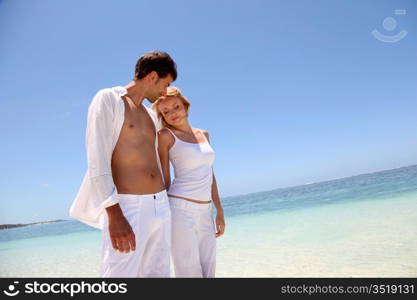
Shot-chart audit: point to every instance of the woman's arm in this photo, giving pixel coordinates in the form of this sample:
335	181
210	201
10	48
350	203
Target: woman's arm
165	142
220	223
215	195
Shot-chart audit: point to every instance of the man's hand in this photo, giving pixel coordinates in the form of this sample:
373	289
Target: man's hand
121	233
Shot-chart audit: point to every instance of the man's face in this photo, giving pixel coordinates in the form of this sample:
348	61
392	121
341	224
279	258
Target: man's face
173	110
158	87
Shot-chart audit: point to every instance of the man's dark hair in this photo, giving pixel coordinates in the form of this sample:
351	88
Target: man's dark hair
157	61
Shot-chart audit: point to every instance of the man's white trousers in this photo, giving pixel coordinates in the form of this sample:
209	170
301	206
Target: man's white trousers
150	219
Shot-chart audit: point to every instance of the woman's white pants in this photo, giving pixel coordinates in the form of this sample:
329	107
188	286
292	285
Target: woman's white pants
193	239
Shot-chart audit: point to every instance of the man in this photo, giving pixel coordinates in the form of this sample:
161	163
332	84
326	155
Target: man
123	192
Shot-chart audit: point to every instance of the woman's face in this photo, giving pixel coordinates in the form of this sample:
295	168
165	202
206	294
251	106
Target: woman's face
173	110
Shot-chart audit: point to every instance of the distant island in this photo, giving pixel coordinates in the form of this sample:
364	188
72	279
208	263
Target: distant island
7	226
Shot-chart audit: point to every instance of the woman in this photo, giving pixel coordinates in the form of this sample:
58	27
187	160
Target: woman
193	190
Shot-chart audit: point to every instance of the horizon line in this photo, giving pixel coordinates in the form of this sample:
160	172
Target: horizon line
322	181
251	193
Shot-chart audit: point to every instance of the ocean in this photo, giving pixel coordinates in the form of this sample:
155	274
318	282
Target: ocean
361	226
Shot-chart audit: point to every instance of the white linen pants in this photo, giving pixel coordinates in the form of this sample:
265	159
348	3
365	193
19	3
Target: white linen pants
150	219
193	238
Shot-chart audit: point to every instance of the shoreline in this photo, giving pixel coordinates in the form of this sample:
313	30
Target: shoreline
9	226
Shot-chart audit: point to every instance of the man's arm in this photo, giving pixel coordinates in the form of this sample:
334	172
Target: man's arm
99	153
98	142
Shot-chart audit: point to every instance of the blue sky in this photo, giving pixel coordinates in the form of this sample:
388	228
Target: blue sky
292	92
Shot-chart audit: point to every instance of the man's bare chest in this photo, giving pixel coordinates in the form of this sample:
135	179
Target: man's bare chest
138	125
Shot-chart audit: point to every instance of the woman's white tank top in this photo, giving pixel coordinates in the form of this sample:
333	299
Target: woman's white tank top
193	171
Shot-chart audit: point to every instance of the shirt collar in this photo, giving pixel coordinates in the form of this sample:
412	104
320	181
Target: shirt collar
120	90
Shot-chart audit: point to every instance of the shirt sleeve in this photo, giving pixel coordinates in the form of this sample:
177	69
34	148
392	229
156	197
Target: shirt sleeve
99	149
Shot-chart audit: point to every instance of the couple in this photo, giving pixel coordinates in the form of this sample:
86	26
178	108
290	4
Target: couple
127	190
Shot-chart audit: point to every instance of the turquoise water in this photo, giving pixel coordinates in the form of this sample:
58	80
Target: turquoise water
362	226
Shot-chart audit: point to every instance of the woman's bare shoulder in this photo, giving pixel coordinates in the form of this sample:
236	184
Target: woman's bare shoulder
165	137
205	132
202	130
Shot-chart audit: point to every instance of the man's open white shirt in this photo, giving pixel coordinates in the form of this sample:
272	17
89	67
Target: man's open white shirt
104	123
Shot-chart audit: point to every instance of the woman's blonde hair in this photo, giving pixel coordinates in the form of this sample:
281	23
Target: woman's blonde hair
172	91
